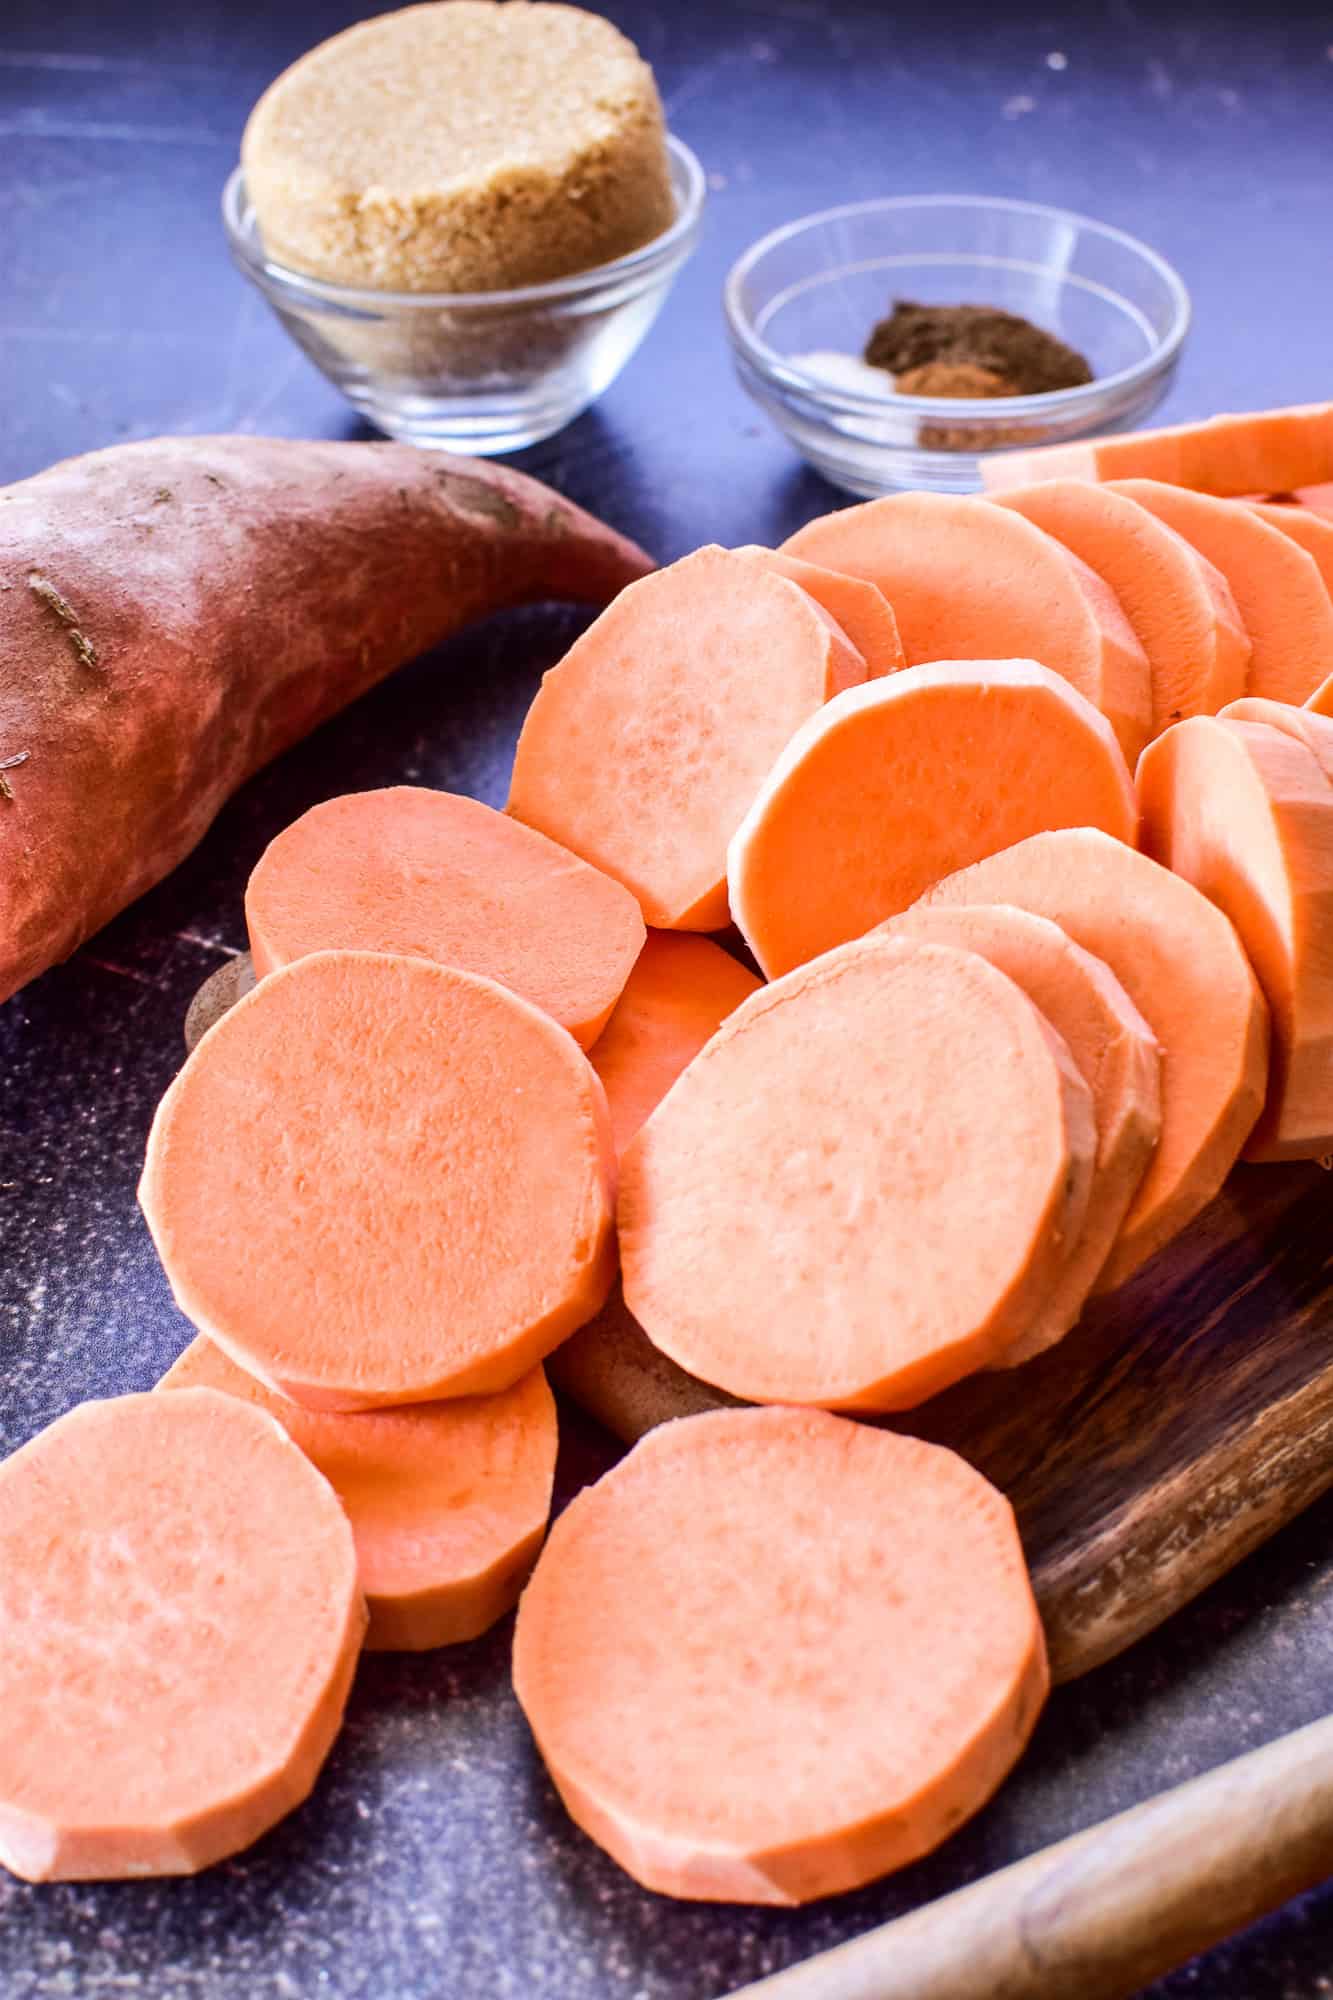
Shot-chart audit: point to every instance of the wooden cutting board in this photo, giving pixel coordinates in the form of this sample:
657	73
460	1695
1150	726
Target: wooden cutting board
1185	1420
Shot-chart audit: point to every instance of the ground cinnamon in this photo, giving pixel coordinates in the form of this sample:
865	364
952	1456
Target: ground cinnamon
952	378
959	378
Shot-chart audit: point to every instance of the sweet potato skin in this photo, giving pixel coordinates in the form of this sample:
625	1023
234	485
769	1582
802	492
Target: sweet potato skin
174	613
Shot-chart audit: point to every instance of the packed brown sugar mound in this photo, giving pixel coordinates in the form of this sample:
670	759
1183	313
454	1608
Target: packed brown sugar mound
460	146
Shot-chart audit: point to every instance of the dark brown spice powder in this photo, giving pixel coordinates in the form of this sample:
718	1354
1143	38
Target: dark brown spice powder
1028	359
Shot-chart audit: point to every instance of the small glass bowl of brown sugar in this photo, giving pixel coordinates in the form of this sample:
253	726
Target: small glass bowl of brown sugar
846	330
476	372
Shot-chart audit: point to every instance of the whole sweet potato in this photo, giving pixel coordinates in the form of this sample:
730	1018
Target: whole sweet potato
175	613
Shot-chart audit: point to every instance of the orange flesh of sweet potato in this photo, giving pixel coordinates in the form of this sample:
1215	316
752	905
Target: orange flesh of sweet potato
969	581
447	1502
1114	1051
646	744
852	1115
1259	451
849	667
1317	499
678	995
860	608
680	992
817	1651
1156	454
1309	724
179	611
1184	968
1245	813
1263	451
434	875
378	1180
898	783
1279	592
1179	604
1311	531
181	1620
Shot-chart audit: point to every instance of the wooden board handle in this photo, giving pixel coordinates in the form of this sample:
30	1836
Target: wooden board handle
1102	1914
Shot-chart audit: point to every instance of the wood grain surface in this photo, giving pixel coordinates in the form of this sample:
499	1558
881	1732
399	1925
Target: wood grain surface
1098	1915
1187	1417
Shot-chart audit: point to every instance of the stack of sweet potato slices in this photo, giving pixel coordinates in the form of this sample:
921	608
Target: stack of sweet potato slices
1022	811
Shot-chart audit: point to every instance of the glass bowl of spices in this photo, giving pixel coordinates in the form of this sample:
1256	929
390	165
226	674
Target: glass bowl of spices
468	215
902	342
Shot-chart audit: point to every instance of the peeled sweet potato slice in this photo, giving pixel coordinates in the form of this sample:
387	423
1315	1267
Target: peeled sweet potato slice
378	1181
680	992
860	608
1317	499
448	1502
1262	451
1159	454
1245	813
1309	724
1256	451
1179	604
1279	592
179	1623
816	1652
1114	1051
434	875
1309	530
646	744
904	780
813	1214
1183	966
968	581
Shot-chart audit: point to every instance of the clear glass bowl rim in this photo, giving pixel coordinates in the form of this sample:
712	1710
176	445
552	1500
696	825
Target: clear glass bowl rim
243	234
780	370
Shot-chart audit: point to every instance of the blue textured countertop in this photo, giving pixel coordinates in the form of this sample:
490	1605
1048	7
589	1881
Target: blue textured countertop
433	1859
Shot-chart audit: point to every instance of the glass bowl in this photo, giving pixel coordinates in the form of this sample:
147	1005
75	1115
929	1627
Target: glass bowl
820	284
475	372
